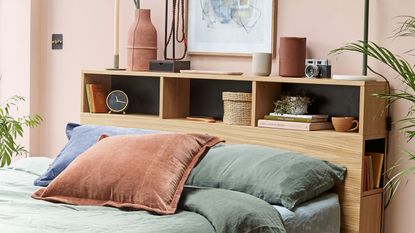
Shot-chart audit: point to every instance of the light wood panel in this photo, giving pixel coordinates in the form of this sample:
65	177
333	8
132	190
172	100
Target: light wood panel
371	212
374	111
174	98
339	148
276	79
264	94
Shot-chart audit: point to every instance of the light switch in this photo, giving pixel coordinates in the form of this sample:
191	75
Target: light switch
57	41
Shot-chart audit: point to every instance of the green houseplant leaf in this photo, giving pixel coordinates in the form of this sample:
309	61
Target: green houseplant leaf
406	75
137	4
12	128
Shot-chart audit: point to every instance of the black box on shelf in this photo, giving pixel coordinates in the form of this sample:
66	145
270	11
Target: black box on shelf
169	65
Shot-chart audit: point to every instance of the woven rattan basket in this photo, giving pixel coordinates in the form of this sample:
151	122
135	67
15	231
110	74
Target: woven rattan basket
237	108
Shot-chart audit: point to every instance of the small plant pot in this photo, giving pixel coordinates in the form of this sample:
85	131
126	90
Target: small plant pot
298	105
292	104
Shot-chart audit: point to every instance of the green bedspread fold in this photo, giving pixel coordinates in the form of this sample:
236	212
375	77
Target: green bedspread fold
201	211
232	212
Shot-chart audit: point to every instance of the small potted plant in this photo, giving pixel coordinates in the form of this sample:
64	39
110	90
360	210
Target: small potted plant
292	104
12	128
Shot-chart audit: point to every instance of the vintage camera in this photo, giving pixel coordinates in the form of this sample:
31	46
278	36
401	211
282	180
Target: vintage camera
316	68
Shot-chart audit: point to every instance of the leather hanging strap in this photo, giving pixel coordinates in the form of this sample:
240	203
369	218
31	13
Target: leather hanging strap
178	21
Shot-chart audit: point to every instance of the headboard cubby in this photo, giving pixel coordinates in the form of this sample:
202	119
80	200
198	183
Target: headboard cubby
206	95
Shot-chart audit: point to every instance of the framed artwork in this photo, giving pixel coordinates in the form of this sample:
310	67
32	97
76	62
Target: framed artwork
231	27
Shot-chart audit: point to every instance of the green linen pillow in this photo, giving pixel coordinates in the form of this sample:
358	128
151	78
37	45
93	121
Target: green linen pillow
276	176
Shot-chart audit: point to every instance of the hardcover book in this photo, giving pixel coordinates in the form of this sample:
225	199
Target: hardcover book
89	98
98	98
294	118
371	185
377	165
294	125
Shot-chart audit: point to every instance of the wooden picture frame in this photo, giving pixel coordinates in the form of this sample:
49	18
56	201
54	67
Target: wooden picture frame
225	30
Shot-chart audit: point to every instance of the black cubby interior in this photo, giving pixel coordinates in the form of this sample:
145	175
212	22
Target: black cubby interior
206	95
375	145
143	93
330	100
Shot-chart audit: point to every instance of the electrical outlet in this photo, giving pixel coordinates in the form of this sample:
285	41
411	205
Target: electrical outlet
57	41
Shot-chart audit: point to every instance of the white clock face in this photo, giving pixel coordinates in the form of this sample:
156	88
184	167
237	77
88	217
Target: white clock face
117	101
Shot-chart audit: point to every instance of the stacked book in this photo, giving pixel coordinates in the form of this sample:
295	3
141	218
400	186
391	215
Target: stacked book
96	95
295	122
373	164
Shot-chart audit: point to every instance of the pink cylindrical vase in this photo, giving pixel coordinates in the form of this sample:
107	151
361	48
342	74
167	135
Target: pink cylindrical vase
142	42
292	56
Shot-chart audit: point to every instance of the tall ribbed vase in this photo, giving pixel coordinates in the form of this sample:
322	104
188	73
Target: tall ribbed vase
142	42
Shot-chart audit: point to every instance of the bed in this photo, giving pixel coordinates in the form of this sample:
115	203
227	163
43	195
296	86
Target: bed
20	213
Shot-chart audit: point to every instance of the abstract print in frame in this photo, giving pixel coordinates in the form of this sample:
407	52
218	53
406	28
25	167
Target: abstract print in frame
231	27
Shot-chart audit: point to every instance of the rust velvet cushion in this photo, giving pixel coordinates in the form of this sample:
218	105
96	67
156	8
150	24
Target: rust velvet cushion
145	172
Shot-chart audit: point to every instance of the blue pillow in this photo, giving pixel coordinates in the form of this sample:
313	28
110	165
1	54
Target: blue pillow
81	138
69	129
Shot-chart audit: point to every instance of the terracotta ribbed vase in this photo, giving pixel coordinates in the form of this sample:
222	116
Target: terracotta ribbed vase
142	42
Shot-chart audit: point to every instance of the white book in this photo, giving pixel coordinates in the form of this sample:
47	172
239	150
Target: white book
300	116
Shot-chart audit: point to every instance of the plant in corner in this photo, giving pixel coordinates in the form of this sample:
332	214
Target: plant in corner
406	75
12	128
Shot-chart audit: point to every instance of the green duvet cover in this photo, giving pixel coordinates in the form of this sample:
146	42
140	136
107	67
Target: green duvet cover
201	210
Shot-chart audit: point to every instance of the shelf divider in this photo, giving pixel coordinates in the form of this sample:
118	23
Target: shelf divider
174	98
263	97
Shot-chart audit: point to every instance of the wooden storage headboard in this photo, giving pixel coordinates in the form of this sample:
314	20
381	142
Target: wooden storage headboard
339	148
361	211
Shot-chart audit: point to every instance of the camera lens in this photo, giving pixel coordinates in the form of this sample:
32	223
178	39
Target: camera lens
311	71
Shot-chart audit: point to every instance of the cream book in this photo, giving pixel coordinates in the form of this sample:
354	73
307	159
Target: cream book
300	116
295	119
294	125
377	165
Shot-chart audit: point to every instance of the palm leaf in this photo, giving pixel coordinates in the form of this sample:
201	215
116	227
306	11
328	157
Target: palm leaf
137	4
406	28
12	128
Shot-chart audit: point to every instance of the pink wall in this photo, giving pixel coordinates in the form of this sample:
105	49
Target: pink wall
15	56
1	45
88	45
54	83
15	46
35	72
